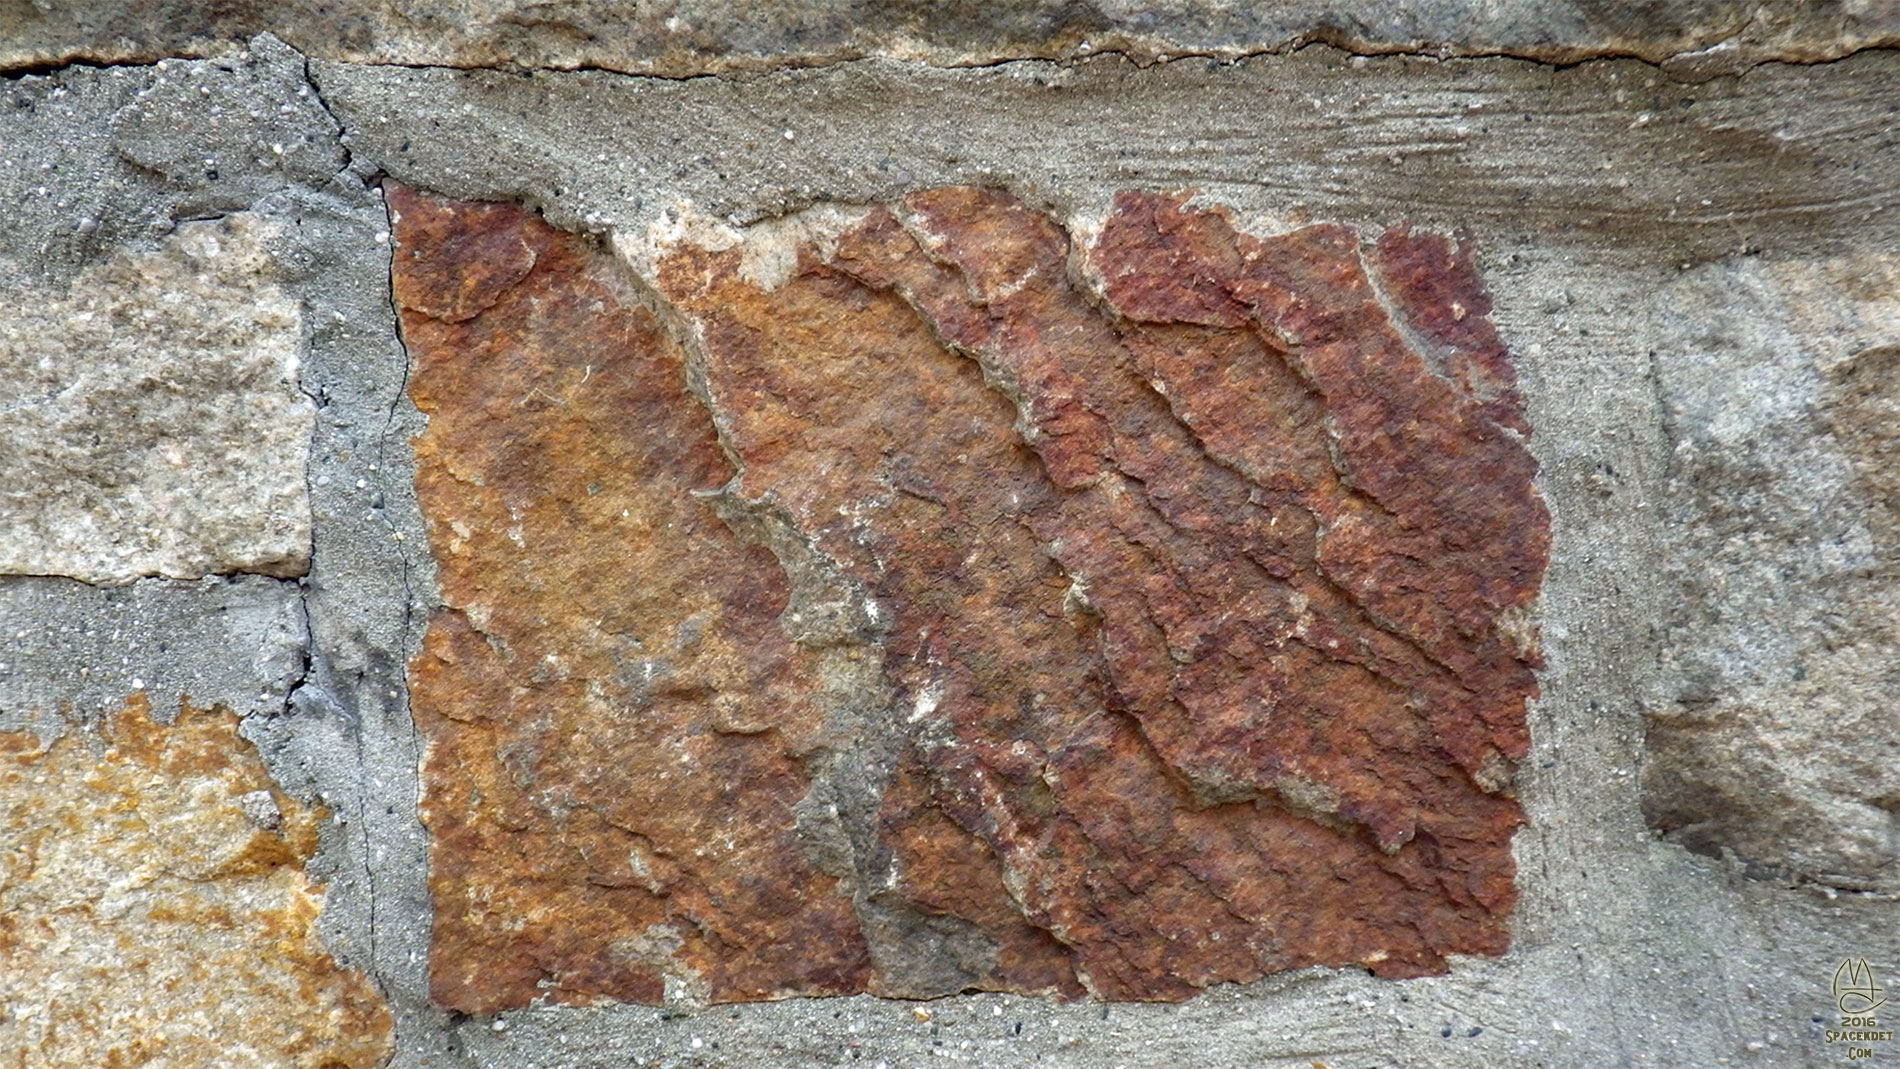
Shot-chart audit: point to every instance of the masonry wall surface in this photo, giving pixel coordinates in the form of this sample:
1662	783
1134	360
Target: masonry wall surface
213	451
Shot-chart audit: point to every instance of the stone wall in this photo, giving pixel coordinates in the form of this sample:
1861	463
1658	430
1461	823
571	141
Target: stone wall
1028	534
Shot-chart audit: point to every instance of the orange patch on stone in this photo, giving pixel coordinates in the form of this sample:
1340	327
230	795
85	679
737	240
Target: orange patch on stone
617	724
154	909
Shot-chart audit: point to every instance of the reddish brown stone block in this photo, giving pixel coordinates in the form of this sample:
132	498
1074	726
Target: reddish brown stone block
617	725
1117	642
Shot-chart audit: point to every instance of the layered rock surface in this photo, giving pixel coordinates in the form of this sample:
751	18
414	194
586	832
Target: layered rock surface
866	603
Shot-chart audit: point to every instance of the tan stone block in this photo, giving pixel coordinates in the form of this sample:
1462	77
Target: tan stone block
150	418
154	910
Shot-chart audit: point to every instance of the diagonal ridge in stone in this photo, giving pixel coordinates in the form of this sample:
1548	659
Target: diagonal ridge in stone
947	604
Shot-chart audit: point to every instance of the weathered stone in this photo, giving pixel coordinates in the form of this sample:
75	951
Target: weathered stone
687	37
1773	736
1150	608
1624	948
1151	648
618	728
150	420
154	909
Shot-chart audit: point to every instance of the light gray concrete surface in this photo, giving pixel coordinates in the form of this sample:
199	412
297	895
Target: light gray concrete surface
72	653
1611	205
1615	160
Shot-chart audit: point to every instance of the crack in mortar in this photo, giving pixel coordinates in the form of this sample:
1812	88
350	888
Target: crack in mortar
1671	65
380	874
369	873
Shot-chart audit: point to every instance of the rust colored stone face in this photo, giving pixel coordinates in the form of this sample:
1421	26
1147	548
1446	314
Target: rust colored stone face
927	618
619	729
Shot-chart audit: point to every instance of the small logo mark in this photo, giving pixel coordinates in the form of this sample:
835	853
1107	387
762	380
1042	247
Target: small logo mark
1855	992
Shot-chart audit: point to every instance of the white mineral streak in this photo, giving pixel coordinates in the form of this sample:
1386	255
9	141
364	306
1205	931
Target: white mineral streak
150	420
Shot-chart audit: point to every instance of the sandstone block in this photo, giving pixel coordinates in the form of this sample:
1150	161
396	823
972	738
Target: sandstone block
927	598
154	909
150	418
1773	737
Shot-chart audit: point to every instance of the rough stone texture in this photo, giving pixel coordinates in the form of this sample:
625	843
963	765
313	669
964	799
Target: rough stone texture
150	420
1623	182
616	724
1569	197
109	159
679	38
154	910
70	653
1624	948
1774	734
1218	678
